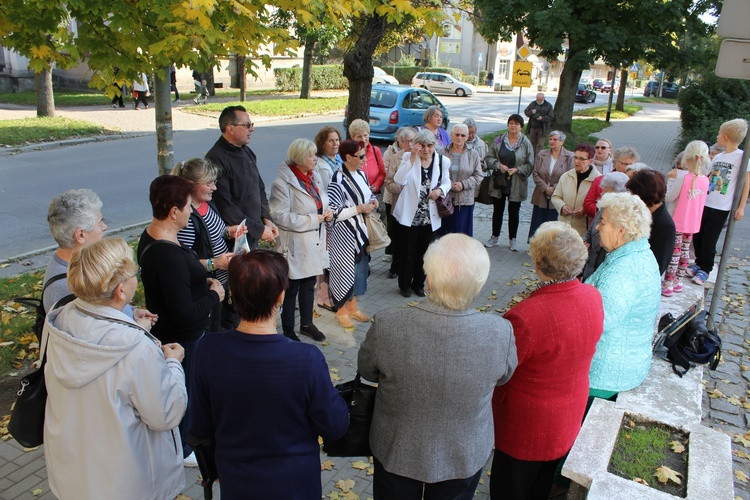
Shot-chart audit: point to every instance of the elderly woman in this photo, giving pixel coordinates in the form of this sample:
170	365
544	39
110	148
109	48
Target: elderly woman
299	206
549	165
392	158
511	160
603	156
466	175
432	424
474	141
651	187
350	202
623	158
75	218
174	280
613	182
111	387
572	189
424	178
373	166
433	122
630	285
263	398
207	234
539	411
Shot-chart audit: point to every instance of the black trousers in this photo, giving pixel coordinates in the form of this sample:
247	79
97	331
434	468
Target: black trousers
514	479
141	98
413	243
117	99
514	210
705	240
389	486
305	288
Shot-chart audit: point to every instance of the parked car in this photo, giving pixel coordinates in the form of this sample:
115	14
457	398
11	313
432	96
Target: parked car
607	87
597	84
585	93
395	106
381	76
442	83
668	89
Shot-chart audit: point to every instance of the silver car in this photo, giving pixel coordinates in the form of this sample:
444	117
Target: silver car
443	83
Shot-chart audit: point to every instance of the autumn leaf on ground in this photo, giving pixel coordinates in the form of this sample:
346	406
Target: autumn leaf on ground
182	497
360	465
739	438
371	471
734	400
327	465
677	447
334	370
664	474
715	393
335	378
325	344
741	476
412	303
733	353
526	264
345	485
37	492
640	481
316	314
741	454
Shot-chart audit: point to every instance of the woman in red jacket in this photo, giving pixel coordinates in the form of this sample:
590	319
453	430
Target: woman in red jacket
539	411
373	167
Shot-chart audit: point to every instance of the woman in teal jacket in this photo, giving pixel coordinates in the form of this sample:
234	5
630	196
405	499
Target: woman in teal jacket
629	283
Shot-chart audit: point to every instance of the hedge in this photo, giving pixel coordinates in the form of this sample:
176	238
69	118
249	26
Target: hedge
706	104
324	77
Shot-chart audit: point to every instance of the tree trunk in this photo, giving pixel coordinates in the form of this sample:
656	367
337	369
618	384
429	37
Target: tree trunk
163	116
242	77
45	98
209	76
620	106
358	68
307	67
566	98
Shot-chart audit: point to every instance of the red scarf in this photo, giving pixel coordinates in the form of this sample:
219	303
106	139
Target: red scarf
307	182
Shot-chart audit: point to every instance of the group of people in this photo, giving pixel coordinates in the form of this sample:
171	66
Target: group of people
149	378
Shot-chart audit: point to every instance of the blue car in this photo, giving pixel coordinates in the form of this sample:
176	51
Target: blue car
395	106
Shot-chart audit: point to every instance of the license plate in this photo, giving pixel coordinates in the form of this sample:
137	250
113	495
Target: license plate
374	121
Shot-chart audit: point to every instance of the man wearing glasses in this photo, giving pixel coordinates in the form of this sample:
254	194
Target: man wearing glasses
240	192
623	158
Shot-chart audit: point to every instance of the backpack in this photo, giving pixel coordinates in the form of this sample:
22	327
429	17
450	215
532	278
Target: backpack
37	305
696	342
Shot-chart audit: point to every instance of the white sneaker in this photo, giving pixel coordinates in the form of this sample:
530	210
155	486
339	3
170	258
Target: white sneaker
387	258
513	245
491	242
190	461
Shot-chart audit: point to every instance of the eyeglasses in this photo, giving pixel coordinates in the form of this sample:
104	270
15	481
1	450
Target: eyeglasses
246	125
211	184
580	158
460	135
601	147
626	164
362	156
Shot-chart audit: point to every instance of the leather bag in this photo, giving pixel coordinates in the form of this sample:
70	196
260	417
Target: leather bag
376	232
360	399
444	206
482	194
27	419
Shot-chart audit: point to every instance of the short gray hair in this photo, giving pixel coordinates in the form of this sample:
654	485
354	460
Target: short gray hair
615	181
70	211
558	251
560	135
425	138
431	111
403	132
459	126
628	151
299	151
359	126
470	122
457	267
629	212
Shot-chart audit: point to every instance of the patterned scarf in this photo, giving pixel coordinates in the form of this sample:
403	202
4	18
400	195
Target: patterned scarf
306	180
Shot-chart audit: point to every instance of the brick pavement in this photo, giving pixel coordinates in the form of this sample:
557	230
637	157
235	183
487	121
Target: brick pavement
653	132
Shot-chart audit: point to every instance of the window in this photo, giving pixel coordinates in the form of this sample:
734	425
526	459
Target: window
503	70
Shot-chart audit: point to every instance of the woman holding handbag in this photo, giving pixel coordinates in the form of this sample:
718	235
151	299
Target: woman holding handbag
424	175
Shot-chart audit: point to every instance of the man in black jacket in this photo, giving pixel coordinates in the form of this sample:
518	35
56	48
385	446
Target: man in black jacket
540	113
240	192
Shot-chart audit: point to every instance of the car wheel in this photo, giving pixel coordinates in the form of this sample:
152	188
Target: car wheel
460	92
594	98
422	87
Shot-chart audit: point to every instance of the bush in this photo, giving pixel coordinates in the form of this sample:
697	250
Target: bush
483	76
472	79
324	77
706	104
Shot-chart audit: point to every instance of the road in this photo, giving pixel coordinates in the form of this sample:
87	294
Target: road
120	171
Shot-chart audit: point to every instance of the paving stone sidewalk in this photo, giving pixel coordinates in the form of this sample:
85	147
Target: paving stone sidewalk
653	132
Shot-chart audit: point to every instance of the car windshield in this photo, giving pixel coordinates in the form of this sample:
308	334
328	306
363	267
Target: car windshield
382	98
378	71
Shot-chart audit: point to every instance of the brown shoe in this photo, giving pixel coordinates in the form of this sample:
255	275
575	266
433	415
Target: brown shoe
343	318
354	312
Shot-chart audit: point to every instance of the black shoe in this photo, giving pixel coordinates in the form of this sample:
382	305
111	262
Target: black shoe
312	332
392	275
291	335
333	309
419	292
405	292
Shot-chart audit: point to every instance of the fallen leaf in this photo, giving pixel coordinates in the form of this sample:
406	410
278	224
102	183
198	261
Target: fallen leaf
345	485
327	465
360	465
526	264
412	303
739	438
371	471
733	353
741	454
38	492
334	370
640	481
665	474
715	393
677	447
3	265
182	497
325	343
734	400
335	377
741	476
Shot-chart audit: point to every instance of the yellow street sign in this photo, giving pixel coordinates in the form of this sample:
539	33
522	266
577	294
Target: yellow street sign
524	52
521	74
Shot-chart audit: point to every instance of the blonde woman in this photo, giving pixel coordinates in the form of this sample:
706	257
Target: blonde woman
373	166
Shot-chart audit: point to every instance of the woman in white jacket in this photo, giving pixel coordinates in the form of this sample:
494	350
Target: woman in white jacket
299	205
115	395
425	176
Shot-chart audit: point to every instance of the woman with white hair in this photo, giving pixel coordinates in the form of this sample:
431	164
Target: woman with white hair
112	387
432	425
299	205
549	165
392	159
613	182
466	176
424	177
433	122
630	285
539	411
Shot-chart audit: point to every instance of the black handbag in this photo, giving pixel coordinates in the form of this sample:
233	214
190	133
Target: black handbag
482	194
27	419
360	399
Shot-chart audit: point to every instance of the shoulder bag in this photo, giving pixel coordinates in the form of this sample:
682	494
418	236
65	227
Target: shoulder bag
376	232
444	203
360	399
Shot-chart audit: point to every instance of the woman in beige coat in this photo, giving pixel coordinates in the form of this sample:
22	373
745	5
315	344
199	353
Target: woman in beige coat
466	174
573	187
299	206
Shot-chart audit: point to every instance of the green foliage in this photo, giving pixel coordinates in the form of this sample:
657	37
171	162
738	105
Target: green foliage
17	321
31	130
472	79
62	98
278	107
638	452
601	112
706	104
325	77
483	76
